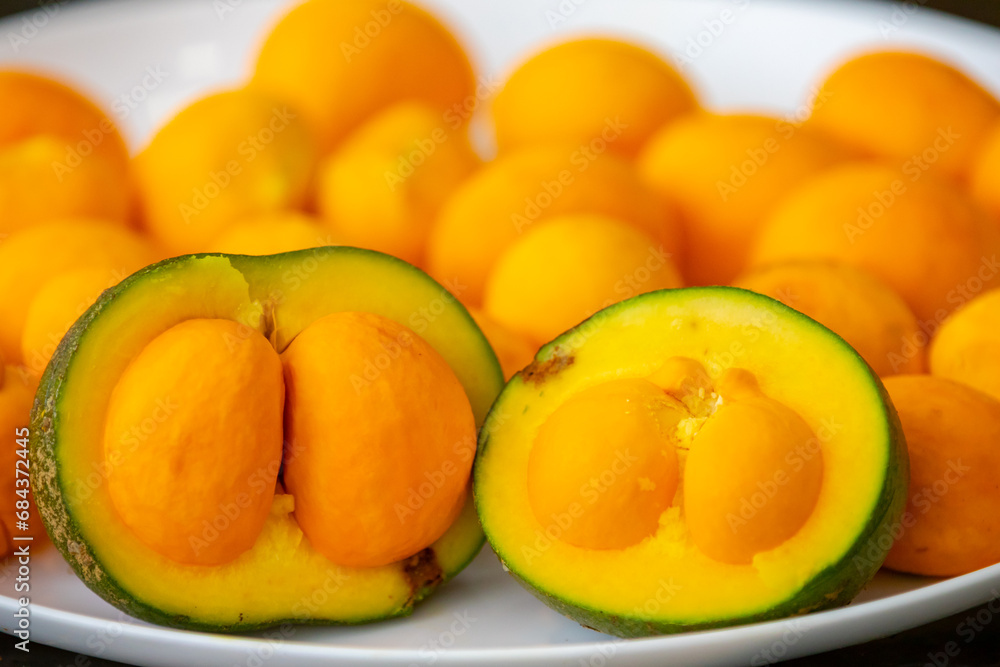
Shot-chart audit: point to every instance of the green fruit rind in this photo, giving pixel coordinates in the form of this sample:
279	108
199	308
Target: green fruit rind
424	572
834	586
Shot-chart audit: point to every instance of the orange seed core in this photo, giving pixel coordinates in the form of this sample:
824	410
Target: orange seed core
381	438
745	469
193	440
602	468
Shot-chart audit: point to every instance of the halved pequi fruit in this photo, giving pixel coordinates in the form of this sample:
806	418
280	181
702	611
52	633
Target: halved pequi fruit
688	459
231	442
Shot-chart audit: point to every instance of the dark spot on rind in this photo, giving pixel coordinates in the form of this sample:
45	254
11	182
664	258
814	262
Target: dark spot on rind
815	606
538	372
423	574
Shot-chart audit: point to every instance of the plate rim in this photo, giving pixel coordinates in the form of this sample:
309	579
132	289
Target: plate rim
952	594
985	582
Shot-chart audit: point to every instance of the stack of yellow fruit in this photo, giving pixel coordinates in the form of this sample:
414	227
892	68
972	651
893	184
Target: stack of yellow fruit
878	215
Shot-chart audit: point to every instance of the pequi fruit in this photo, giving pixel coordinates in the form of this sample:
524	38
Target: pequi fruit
32	257
727	173
908	108
950	525
567	268
926	239
851	302
60	155
508	196
384	186
59	303
227	157
202	428
340	63
966	348
985	179
689	459
34	188
604	93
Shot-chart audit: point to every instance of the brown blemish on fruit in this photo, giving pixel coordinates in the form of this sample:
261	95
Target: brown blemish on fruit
835	594
538	372
423	574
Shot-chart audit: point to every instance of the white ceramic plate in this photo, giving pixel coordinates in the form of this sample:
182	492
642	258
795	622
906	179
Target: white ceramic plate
144	60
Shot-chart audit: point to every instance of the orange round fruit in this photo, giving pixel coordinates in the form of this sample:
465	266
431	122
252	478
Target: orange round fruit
60	155
924	238
727	173
566	269
950	523
966	348
507	197
342	62
920	112
852	302
224	158
384	186
600	93
31	257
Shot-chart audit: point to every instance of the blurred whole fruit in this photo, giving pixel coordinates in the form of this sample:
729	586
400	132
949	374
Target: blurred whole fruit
917	111
342	62
925	238
226	157
727	173
504	199
60	156
600	91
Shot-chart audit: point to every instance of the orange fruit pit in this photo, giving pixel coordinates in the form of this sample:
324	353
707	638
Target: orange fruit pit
612	459
378	467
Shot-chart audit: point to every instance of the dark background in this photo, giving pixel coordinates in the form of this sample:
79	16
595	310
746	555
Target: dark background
920	647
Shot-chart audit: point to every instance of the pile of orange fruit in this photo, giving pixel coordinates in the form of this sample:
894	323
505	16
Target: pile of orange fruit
878	215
